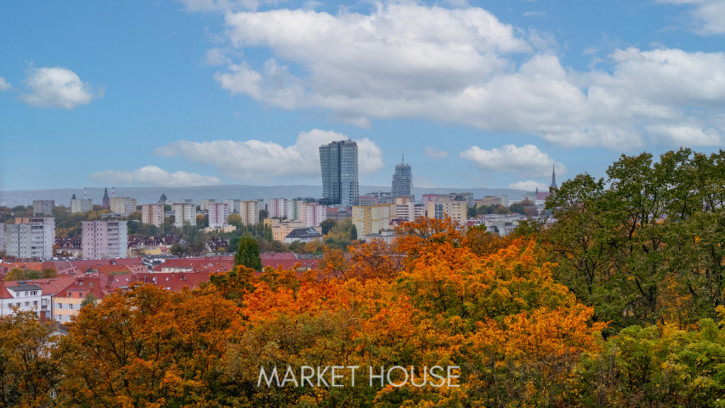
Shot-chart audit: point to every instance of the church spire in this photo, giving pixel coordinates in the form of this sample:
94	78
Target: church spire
553	178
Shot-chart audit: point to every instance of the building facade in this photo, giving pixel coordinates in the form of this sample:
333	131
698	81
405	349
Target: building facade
339	167
152	214
204	203
218	214
233	206
184	212
371	219
402	180
104	239
30	237
43	207
80	205
444	206
249	211
277	208
123	205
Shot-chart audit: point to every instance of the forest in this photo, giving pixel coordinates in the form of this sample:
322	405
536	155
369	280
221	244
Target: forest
619	302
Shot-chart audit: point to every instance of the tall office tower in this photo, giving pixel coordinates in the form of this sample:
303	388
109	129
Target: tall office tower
184	212
123	205
338	162
402	180
43	207
152	214
30	238
106	203
104	239
218	214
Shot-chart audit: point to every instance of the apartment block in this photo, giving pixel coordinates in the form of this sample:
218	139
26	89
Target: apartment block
152	214
30	237
123	205
204	204
233	206
104	239
218	214
277	208
444	206
249	211
43	207
184	212
80	205
371	219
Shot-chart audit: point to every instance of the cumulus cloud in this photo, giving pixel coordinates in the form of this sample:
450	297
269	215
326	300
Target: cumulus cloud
57	87
221	5
524	160
154	176
254	160
707	15
435	153
529	185
4	85
464	66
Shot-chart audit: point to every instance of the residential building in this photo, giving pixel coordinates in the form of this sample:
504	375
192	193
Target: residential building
2	236
314	214
218	214
303	235
43	207
124	206
402	180
104	239
277	208
80	205
184	212
368	200
407	209
292	210
338	213
30	237
68	302
204	203
339	167
280	229
456	209
493	200
24	296
371	219
233	206
249	211
152	214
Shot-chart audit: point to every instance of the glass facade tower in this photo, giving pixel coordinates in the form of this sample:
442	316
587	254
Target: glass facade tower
402	180
338	162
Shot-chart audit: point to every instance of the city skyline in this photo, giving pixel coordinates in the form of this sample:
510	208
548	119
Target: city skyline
194	92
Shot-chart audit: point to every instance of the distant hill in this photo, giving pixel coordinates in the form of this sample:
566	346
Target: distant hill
146	195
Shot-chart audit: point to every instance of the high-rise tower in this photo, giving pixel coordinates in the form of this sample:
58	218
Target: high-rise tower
338	163
402	180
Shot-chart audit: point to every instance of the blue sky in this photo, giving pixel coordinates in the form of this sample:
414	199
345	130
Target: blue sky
476	94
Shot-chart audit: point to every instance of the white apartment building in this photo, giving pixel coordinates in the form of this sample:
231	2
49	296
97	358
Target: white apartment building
30	238
152	214
184	212
123	205
218	214
25	297
277	208
79	205
409	211
43	207
249	211
292	207
104	239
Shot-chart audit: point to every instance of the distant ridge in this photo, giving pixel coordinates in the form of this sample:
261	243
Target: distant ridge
147	195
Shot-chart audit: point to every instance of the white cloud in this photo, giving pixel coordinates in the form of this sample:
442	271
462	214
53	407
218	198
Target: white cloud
524	160
529	185
684	135
463	66
57	87
707	15
254	160
4	85
435	153
154	176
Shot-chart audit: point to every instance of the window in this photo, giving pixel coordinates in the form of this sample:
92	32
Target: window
35	292
70	306
35	303
27	303
60	305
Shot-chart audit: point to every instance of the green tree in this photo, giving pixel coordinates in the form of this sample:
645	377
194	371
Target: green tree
327	225
248	254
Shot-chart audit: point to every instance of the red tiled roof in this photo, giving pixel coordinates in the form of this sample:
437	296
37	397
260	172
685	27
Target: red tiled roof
174	281
49	286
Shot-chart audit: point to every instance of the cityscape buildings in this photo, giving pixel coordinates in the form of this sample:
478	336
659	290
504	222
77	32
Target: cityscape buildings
152	214
218	214
124	206
30	237
339	167
402	180
80	205
104	239
43	207
184	212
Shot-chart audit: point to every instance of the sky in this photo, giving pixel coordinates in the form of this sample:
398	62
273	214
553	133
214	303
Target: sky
488	94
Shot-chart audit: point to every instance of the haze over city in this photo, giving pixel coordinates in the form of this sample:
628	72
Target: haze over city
475	94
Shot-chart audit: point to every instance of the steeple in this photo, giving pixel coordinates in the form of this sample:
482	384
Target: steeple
553	178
